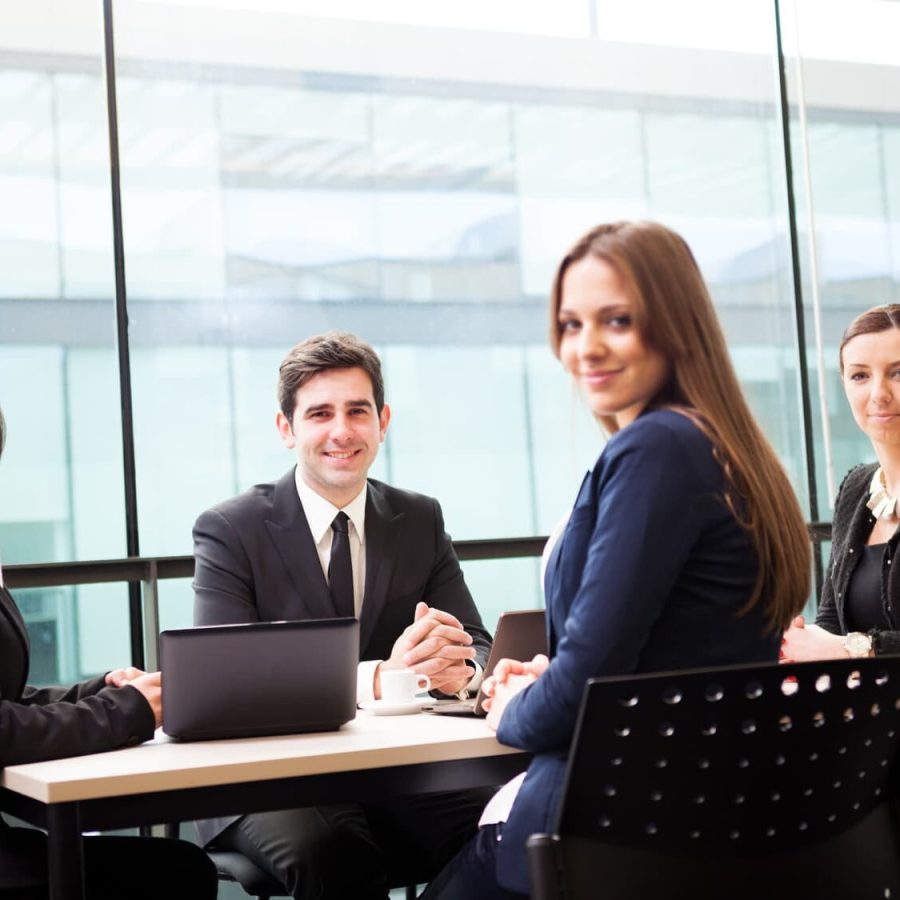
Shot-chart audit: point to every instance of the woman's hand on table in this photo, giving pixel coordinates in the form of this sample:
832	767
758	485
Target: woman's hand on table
805	643
120	677
148	683
510	676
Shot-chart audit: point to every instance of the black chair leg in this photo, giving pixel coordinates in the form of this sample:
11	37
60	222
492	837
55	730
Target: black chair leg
411	891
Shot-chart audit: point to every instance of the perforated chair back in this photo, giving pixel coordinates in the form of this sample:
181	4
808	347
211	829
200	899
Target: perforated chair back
751	781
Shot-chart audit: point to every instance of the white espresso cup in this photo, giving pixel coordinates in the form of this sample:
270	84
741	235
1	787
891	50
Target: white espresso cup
402	685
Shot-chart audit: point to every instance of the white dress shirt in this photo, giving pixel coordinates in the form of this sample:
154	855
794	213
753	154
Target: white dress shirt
320	514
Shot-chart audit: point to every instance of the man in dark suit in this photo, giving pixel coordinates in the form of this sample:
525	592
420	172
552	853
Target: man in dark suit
325	541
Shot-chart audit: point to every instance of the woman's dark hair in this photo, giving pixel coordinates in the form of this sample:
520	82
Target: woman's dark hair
872	321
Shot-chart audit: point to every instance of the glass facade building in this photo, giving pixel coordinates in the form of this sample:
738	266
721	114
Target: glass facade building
410	172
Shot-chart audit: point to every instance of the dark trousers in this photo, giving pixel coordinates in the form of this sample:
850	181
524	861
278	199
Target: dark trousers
357	851
472	873
115	867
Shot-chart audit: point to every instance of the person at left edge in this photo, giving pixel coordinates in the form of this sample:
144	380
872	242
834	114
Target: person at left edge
264	556
118	709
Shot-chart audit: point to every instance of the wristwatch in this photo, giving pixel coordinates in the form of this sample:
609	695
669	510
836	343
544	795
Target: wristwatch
858	644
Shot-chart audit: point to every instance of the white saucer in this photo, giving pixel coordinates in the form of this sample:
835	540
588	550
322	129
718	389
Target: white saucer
384	708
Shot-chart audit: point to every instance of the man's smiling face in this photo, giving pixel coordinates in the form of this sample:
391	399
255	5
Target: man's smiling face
335	431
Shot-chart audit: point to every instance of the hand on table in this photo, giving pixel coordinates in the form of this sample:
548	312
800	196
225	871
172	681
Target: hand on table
148	683
510	676
804	643
118	677
436	645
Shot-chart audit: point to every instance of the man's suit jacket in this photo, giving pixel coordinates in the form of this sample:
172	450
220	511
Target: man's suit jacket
50	723
255	561
651	574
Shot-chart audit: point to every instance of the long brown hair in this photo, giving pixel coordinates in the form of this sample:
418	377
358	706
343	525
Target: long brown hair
674	314
872	321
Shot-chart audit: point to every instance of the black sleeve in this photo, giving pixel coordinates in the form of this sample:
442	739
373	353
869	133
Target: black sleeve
107	720
447	590
826	614
223	581
885	642
42	696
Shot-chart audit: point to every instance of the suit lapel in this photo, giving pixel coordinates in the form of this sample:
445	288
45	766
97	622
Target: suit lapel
551	584
560	570
382	550
585	495
290	534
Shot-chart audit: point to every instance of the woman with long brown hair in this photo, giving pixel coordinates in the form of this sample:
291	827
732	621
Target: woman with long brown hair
685	548
858	614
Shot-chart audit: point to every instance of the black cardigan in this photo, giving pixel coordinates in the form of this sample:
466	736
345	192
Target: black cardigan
850	530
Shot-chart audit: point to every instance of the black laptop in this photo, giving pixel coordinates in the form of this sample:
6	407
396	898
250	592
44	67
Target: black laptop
231	681
520	635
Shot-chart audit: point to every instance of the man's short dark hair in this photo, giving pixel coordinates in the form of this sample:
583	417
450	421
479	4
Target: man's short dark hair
333	350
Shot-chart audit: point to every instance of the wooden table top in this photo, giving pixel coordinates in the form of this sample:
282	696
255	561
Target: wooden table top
367	742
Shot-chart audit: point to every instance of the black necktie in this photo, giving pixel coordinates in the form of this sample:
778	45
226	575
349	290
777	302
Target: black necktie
340	570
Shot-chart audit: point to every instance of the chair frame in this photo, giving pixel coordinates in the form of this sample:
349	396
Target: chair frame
755	773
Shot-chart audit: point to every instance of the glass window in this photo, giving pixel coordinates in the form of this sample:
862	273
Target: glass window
61	475
847	175
412	173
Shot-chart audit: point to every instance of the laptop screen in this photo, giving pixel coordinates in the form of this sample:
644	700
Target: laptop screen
226	681
521	634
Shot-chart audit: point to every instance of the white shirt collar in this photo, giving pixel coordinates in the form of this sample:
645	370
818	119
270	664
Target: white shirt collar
320	512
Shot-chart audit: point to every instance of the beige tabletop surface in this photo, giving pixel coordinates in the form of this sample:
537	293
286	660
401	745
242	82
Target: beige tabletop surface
367	742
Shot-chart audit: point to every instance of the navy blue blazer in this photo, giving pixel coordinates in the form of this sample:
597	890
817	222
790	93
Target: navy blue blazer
649	575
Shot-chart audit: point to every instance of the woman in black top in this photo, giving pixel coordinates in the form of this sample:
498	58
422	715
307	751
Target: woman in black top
103	713
858	614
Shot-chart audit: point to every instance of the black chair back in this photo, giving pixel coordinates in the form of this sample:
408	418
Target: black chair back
744	776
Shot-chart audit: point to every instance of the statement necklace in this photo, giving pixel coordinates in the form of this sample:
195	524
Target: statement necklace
881	503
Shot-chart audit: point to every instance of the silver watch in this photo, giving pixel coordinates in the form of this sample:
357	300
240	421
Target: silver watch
858	644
